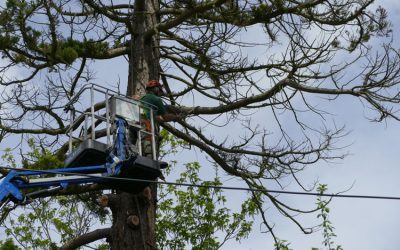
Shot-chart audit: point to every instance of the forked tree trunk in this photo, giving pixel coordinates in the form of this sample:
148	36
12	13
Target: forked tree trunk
134	215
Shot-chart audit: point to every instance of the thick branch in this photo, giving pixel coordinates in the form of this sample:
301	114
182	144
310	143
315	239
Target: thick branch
87	238
238	104
100	8
187	13
47	131
214	155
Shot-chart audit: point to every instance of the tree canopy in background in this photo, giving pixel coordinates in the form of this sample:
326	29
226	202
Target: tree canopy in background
244	74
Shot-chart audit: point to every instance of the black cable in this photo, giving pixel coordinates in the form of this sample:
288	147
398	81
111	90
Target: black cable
210	186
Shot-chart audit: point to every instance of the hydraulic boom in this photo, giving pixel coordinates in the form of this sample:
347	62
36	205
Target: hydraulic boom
94	161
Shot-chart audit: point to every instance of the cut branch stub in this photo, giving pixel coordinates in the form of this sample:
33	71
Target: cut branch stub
103	201
133	221
146	193
107	200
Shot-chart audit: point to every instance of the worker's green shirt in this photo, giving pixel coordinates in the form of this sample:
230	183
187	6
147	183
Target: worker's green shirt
155	103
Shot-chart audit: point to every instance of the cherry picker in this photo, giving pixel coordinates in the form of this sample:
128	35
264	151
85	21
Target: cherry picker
105	147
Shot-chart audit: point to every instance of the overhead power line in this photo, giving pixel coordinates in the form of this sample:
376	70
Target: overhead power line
210	186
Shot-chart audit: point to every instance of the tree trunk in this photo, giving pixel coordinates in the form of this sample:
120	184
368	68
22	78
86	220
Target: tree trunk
144	58
134	215
133	221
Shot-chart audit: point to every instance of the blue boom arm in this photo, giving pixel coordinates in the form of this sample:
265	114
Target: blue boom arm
11	186
117	165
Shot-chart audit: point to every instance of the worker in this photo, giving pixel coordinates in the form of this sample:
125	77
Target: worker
154	90
152	99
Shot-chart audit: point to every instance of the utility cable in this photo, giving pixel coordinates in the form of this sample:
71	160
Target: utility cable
209	186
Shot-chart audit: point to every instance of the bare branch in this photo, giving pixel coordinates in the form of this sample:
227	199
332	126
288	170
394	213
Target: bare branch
87	238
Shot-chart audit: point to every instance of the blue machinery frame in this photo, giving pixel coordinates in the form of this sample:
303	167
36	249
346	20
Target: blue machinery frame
118	164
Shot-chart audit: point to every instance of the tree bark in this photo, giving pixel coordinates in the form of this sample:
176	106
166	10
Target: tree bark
144	63
144	56
133	222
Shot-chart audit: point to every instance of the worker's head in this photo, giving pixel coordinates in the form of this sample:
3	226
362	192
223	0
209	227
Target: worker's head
155	87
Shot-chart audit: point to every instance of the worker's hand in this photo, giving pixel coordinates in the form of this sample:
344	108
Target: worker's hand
136	97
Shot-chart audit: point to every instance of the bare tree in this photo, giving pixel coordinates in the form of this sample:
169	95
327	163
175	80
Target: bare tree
221	62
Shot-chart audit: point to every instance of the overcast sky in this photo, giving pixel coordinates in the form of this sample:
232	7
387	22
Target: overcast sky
371	169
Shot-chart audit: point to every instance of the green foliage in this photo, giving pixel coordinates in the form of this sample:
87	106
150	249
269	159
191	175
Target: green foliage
192	217
7	41
103	247
327	227
66	51
196	216
9	157
170	144
51	222
25	230
282	245
68	55
69	50
8	244
40	158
